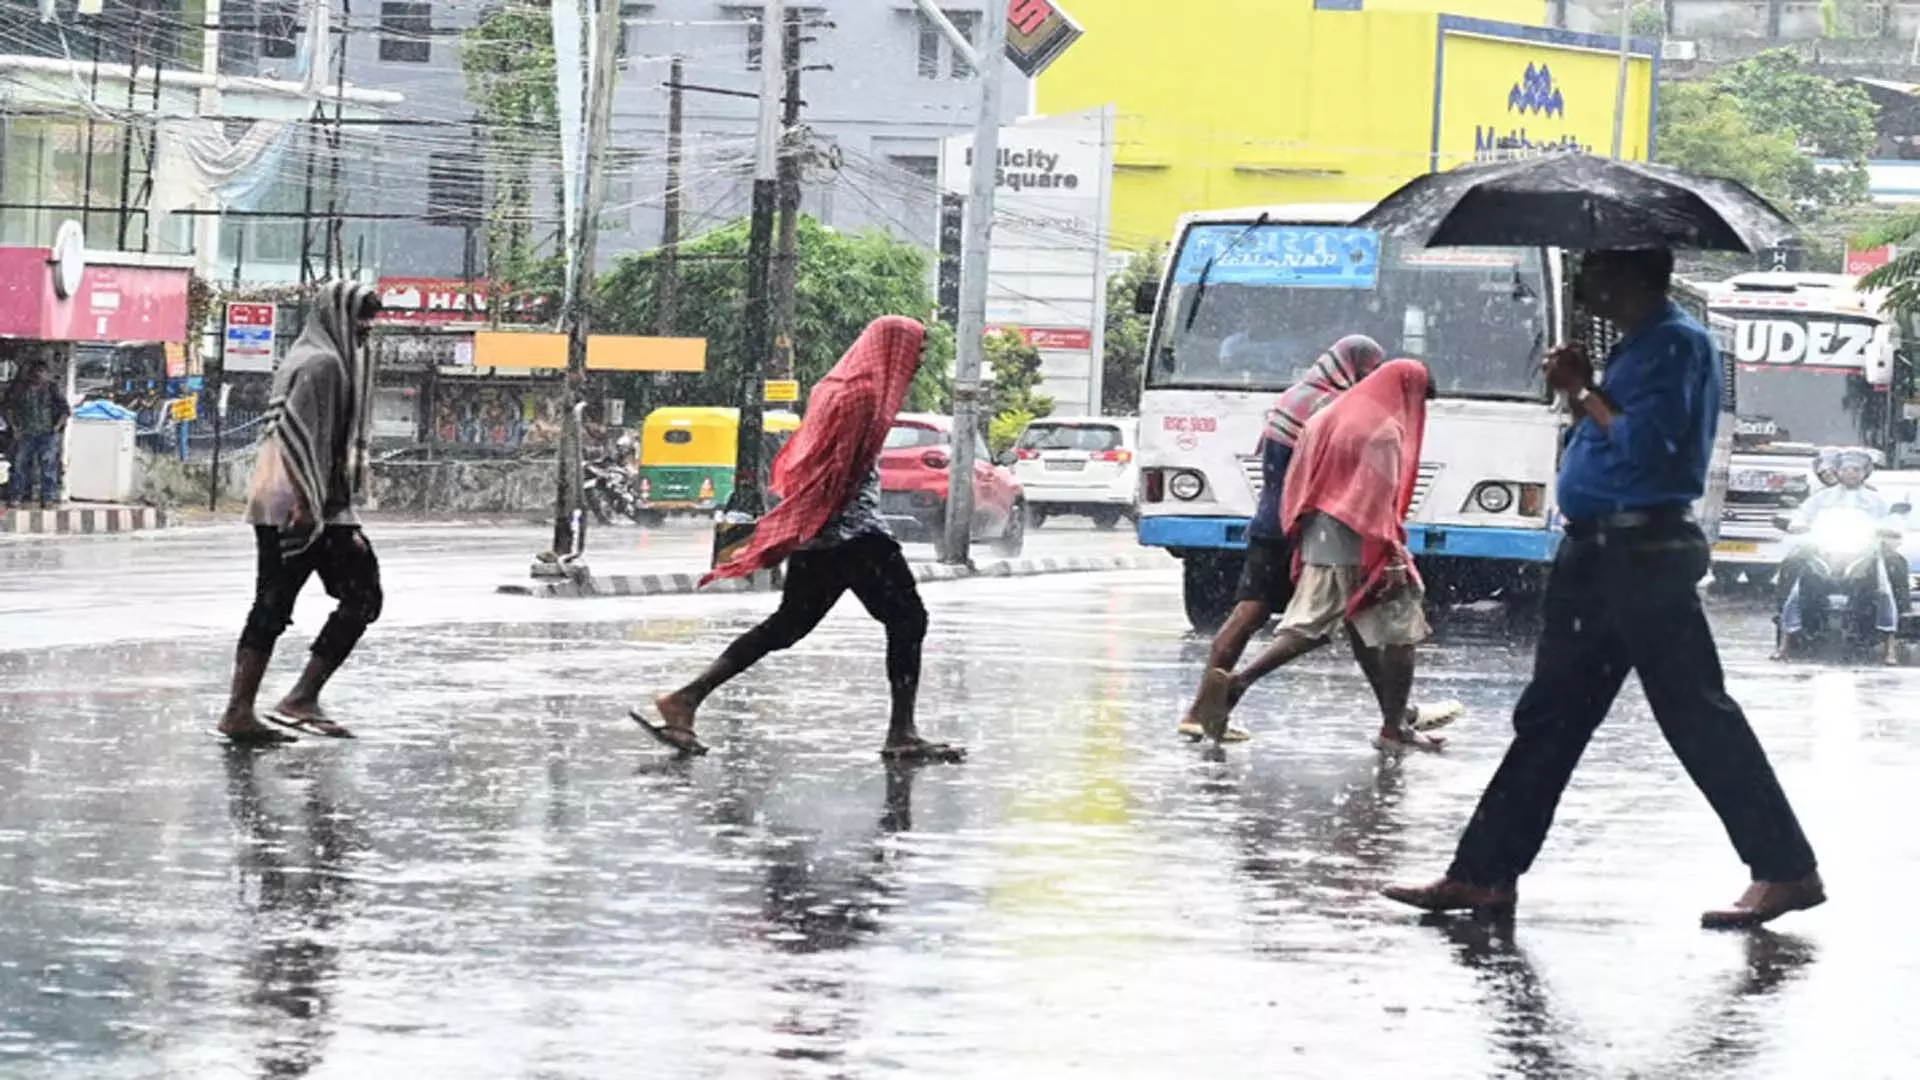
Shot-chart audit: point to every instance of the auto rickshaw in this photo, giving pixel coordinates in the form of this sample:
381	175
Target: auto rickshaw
688	453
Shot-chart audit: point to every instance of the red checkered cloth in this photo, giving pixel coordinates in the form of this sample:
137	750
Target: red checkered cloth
848	415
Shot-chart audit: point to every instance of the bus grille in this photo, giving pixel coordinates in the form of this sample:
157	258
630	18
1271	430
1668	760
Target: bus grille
1429	471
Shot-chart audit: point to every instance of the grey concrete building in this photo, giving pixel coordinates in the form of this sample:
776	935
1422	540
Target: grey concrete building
883	88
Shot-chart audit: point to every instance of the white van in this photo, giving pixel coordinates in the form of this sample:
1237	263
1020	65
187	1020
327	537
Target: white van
1079	465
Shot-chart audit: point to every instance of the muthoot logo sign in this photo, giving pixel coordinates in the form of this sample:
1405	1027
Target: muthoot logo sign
1535	96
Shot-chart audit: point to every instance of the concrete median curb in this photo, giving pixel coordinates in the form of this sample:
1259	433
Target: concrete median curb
617	585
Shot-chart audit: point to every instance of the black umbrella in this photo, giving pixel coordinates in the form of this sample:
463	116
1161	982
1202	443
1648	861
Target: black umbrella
1571	200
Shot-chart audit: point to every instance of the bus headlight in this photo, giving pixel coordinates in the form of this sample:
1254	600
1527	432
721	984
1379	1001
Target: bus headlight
1494	498
1186	486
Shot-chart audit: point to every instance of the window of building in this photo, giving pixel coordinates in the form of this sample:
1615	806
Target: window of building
279	30
406	30
924	166
630	15
453	188
756	38
938	58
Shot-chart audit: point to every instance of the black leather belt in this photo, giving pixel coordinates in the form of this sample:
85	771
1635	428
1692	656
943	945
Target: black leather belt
1626	521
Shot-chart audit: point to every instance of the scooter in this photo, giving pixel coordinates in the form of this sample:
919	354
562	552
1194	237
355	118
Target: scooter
1839	581
607	486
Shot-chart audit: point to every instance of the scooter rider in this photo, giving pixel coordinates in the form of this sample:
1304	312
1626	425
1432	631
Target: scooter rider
1850	469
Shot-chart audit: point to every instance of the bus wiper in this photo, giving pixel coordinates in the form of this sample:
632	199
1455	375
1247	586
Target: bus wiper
1200	285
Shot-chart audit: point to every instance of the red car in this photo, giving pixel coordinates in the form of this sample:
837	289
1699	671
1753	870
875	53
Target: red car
913	487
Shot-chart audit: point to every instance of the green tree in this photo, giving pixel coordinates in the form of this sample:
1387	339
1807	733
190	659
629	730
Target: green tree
1126	335
508	60
845	281
1015	369
1765	121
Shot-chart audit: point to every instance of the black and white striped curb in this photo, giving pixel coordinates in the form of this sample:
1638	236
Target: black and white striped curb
81	520
923	573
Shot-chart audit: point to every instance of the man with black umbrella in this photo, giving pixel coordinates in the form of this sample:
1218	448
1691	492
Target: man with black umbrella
1623	596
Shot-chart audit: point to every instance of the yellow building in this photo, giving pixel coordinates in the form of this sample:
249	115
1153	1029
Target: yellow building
1251	102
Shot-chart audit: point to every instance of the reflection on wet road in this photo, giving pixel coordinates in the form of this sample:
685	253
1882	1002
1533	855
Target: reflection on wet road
503	879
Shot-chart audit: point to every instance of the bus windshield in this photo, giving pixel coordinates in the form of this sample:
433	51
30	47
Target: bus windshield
1274	297
1801	382
1799	409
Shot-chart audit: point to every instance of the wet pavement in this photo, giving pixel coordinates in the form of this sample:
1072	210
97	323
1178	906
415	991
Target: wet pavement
504	879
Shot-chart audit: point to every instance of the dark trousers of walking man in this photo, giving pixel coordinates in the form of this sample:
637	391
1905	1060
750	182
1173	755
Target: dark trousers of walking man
1621	601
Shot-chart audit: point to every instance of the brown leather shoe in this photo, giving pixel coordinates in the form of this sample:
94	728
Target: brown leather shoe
1450	895
1765	901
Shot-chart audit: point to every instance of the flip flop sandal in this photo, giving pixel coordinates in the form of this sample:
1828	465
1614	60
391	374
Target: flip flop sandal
680	739
1437	715
1194	733
319	729
927	752
252	739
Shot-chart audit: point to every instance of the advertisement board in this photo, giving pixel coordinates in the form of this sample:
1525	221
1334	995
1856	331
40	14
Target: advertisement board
1047	270
248	342
1503	91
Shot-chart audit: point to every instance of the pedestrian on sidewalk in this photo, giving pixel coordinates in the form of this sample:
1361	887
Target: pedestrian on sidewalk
37	412
828	530
310	471
1348	490
1623	596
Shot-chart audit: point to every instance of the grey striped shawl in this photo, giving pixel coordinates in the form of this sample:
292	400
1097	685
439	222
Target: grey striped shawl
321	407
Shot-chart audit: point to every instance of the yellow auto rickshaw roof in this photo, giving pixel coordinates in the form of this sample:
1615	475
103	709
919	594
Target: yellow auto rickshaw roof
700	416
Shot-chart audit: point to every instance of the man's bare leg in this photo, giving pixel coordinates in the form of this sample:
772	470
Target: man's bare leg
1396	663
1228	646
249	668
1288	646
302	703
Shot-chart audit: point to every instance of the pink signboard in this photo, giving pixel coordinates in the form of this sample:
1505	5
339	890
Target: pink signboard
113	303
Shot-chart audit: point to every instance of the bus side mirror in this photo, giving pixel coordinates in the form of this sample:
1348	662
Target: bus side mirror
1146	296
1910	431
1880	359
1901	508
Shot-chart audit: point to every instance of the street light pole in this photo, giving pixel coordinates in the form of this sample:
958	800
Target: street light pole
1620	80
972	330
748	500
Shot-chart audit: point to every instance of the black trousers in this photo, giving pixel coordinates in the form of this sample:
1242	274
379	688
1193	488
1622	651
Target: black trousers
347	567
873	569
1618	603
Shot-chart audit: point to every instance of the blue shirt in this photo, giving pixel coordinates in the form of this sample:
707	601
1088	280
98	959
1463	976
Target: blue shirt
1274	459
1663	380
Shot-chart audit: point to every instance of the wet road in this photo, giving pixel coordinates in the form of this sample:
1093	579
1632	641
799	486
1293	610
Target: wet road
503	879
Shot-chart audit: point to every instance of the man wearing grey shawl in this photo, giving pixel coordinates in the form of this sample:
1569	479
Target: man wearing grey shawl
311	466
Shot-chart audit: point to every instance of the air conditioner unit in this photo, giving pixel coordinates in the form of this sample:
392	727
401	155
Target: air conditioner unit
1679	50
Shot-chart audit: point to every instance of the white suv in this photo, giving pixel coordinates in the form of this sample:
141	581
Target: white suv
1079	465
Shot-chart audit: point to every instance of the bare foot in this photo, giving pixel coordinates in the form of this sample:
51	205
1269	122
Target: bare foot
1408	737
244	725
676	709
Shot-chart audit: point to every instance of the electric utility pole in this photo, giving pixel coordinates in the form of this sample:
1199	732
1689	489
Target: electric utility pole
786	266
669	321
567	504
748	501
973	285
